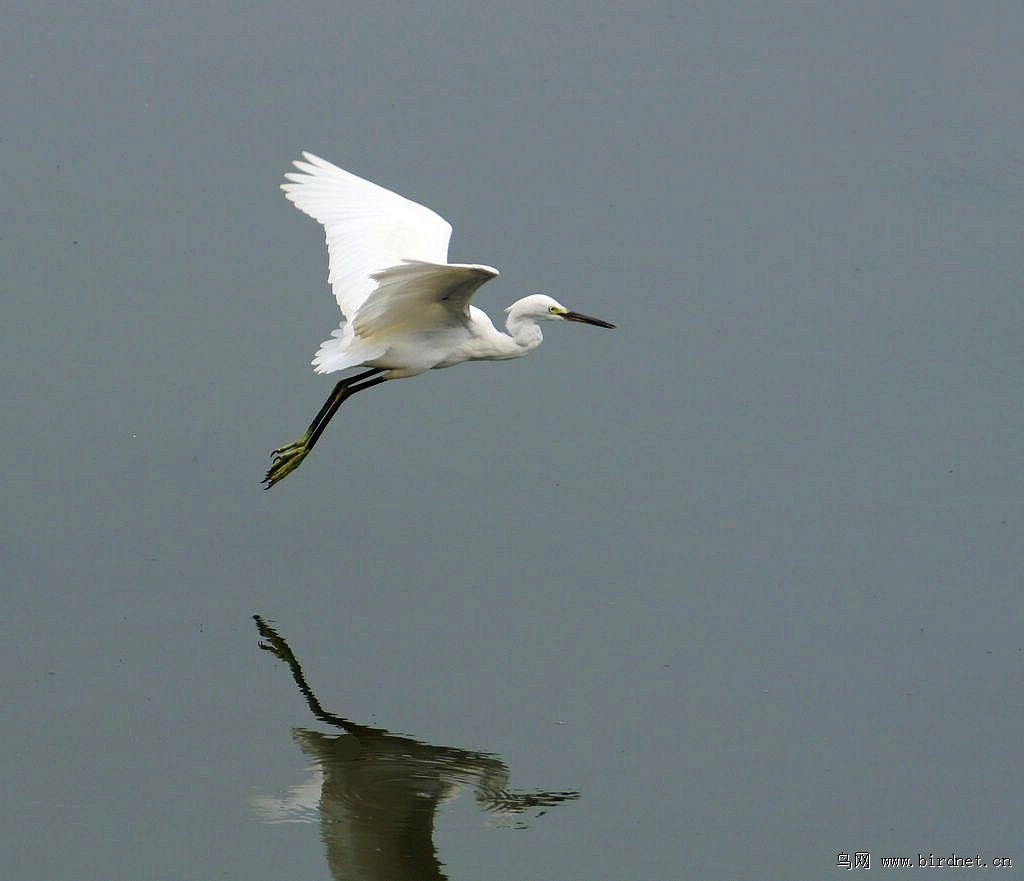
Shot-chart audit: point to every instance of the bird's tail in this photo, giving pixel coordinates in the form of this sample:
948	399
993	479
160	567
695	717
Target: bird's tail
343	350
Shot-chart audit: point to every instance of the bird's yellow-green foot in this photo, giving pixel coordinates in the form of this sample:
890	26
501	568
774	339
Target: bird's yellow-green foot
286	460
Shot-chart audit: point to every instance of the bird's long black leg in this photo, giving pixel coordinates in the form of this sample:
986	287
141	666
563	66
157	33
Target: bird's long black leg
333	402
290	456
336	400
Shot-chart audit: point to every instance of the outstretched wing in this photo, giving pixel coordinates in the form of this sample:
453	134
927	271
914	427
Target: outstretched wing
368	228
419	297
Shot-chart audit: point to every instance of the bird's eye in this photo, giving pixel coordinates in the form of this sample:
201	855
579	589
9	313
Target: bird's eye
551	309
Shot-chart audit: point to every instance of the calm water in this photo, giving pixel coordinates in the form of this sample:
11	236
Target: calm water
724	592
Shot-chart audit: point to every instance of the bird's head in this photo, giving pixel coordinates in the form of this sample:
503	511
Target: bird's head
541	307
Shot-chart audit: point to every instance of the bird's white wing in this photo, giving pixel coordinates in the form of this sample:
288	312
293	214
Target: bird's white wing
368	228
418	297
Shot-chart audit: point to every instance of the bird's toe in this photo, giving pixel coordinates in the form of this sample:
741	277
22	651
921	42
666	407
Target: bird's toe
285	461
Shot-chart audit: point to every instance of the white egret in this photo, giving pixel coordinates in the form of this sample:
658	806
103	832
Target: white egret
405	308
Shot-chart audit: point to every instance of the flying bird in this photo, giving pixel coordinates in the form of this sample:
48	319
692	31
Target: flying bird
405	308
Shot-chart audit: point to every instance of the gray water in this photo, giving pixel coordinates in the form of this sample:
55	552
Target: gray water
735	587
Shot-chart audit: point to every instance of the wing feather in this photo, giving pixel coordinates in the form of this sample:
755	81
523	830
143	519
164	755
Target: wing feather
419	297
368	228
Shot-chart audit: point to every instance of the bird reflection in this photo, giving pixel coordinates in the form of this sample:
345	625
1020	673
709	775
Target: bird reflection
375	794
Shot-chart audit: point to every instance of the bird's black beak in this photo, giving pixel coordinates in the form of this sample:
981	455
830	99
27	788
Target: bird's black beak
586	319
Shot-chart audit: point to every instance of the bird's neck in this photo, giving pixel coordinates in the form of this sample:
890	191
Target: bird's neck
525	332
